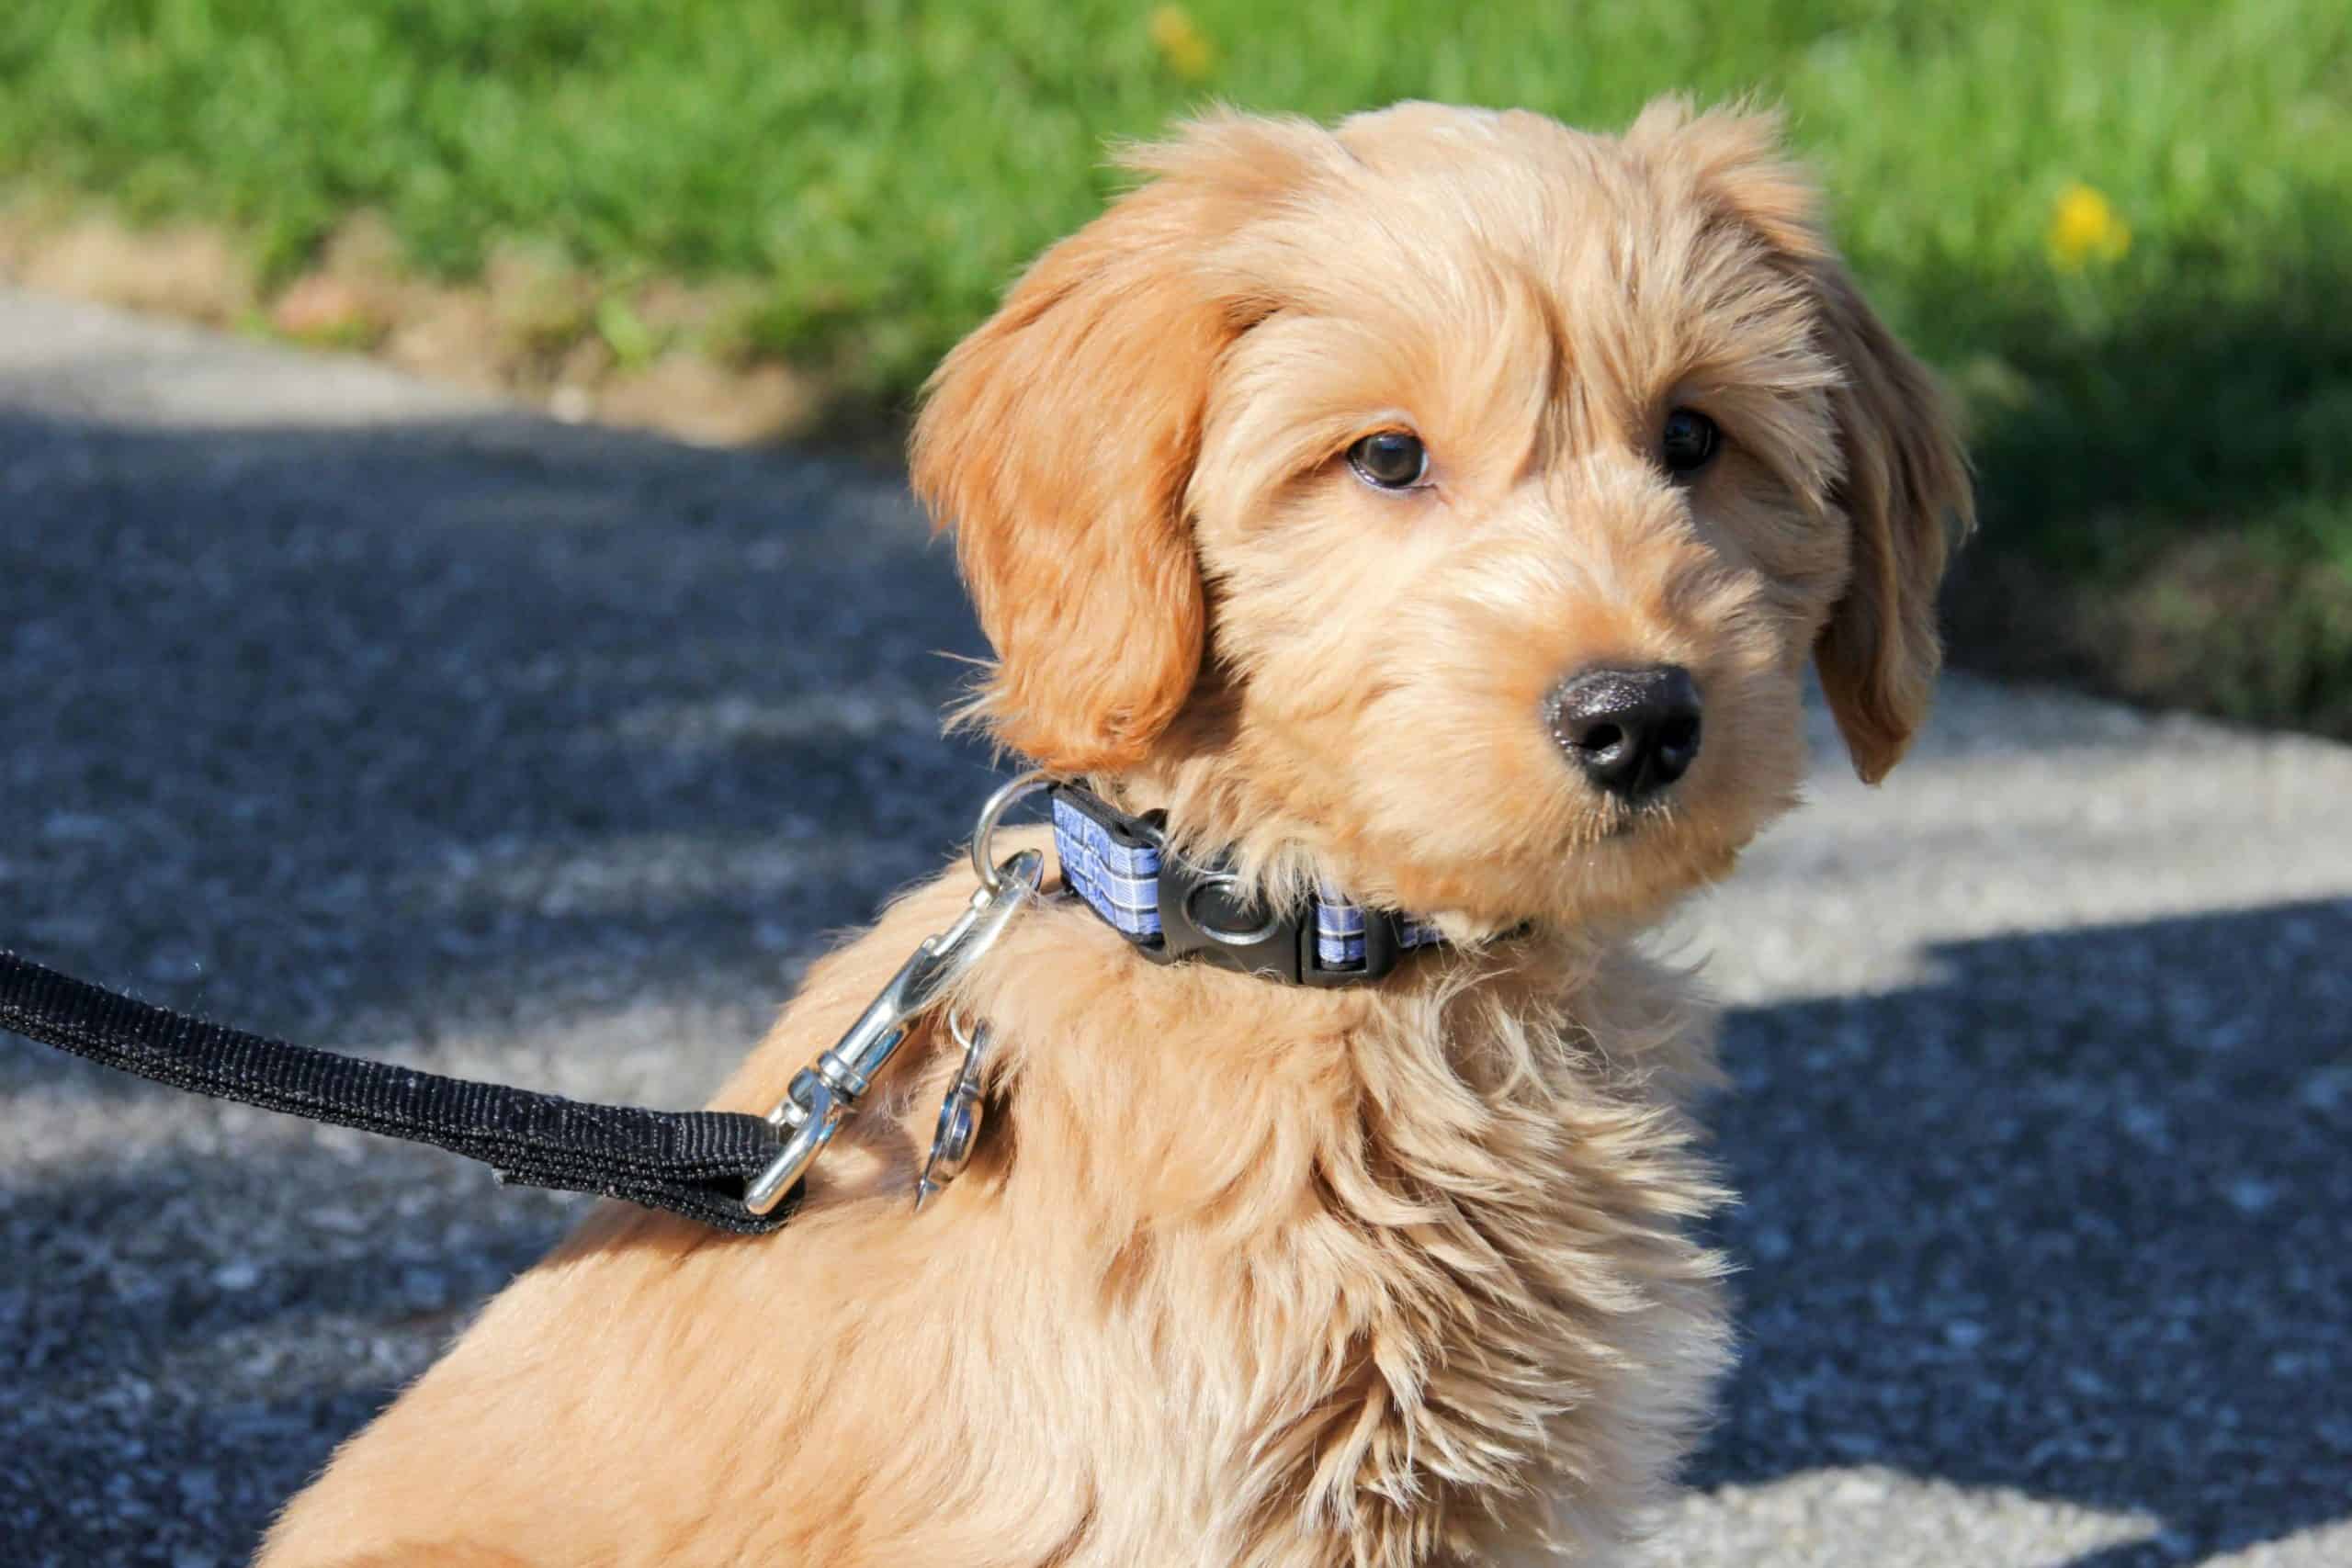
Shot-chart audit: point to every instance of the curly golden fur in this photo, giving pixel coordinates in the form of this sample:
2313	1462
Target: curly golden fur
1244	1273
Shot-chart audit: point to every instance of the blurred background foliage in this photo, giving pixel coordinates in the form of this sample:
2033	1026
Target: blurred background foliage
2121	228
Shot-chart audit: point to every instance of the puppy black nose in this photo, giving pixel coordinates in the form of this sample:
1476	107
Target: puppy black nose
1633	731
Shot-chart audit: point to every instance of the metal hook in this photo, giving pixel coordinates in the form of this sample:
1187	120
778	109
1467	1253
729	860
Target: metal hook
822	1096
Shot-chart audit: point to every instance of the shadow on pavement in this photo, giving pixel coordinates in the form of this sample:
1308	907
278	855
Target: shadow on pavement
194	1337
2070	1219
386	733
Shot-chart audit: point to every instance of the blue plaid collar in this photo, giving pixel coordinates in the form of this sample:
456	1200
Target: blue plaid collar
1173	908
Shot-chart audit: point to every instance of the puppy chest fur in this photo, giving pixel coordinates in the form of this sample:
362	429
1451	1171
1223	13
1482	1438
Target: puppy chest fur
1374	1258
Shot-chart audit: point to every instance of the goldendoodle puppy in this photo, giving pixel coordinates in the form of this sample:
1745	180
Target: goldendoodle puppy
1418	529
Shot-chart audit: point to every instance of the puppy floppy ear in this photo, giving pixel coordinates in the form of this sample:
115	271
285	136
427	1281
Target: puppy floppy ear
1058	439
1907	492
1904	484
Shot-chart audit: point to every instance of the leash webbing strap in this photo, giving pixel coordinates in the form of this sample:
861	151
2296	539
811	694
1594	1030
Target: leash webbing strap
694	1163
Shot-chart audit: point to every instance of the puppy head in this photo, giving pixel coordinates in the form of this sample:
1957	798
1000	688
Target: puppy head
1447	504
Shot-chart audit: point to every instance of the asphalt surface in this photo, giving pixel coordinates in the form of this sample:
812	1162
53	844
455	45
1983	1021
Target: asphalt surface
348	708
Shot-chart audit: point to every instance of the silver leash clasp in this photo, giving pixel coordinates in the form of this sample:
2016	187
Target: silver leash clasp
824	1094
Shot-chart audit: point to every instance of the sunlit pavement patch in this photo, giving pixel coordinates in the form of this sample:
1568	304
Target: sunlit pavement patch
1873	1518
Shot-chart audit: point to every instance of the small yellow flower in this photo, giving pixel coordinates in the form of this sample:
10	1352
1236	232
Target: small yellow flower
2085	227
1184	48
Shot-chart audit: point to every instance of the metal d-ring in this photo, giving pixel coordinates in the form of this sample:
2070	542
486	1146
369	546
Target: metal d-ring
984	830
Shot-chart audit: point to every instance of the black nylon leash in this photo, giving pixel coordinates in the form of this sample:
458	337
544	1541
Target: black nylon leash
695	1163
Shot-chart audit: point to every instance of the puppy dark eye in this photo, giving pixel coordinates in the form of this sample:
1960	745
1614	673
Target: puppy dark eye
1392	460
1689	442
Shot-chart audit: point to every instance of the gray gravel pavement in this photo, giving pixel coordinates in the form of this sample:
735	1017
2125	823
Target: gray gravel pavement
351	709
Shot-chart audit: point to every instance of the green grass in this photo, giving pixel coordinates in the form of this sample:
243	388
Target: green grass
881	169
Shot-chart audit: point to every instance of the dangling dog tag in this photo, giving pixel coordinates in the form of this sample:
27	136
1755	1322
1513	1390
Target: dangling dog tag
959	1115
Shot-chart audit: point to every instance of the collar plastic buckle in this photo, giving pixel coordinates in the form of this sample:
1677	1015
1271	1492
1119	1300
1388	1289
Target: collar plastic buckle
1207	915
